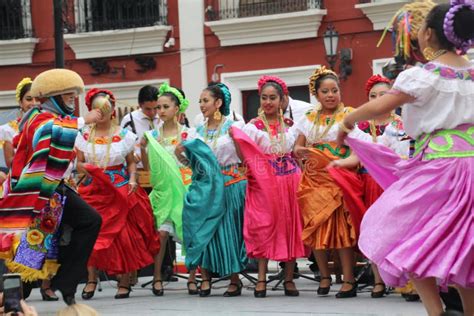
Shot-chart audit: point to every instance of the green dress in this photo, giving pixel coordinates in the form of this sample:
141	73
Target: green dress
169	180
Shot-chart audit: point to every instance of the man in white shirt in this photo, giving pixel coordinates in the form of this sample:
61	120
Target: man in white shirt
144	119
295	109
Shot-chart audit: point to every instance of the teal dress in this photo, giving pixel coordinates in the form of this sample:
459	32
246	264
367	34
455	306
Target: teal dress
214	205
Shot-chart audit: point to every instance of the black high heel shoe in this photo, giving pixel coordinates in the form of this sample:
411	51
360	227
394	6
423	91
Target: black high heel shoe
192	291
290	292
157	292
378	294
324	290
88	295
237	292
46	297
123	295
346	294
204	293
261	293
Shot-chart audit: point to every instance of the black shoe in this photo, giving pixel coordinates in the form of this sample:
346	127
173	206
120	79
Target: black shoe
123	295
324	290
69	299
155	291
27	287
46	297
204	293
346	294
191	291
237	292
411	297
290	292
261	293
88	295
378	294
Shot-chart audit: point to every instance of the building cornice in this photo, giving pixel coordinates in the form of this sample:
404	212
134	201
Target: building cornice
17	51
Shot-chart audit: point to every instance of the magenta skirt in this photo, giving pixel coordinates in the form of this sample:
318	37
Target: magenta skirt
423	224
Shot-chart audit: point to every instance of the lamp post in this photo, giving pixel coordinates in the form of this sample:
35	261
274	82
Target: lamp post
331	37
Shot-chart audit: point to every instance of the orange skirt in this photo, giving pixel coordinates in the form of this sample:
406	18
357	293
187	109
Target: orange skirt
327	223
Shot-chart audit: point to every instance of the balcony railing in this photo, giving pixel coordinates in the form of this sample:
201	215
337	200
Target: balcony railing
15	19
101	15
228	9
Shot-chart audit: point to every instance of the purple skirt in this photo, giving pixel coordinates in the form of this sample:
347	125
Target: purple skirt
423	224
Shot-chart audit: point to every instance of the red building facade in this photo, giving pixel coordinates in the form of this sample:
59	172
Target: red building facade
123	45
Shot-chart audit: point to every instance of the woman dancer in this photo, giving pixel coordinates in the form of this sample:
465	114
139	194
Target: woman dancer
127	240
272	229
212	228
430	197
327	222
169	177
387	130
9	130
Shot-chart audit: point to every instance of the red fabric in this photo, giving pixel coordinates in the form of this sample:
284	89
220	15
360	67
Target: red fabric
375	79
6	241
372	191
128	240
352	187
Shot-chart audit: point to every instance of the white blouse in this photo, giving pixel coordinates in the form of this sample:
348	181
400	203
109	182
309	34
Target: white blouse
123	142
7	132
262	137
444	97
223	147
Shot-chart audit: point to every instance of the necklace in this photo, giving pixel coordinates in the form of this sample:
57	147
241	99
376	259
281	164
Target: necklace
164	140
216	134
278	144
373	127
92	137
314	135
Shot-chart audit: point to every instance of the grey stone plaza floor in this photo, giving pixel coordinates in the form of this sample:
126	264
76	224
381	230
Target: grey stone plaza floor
177	302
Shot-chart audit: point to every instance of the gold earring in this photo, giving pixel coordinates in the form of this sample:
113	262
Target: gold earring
260	111
217	115
281	112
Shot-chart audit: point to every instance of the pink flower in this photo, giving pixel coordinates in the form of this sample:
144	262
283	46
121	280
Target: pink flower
184	135
447	73
430	66
288	121
363	125
259	124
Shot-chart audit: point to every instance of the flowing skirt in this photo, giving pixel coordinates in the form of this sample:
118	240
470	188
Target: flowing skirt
423	224
272	221
327	222
127	240
169	188
213	213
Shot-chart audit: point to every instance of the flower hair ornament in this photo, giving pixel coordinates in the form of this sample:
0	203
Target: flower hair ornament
448	26
20	86
265	79
319	73
374	80
227	98
103	107
405	25
183	102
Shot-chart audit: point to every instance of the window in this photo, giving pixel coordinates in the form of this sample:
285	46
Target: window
251	100
100	15
15	19
247	8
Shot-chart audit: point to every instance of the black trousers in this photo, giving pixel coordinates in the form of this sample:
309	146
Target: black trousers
80	227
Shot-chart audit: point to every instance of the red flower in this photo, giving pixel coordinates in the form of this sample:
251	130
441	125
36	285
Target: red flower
86	136
363	125
48	224
184	135
116	139
288	121
259	124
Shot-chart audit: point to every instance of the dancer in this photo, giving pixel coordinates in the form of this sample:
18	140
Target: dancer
430	197
212	227
272	222
127	240
327	222
36	199
169	177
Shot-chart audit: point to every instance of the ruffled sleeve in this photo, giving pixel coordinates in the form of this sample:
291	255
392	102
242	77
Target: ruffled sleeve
415	82
129	140
81	142
253	133
303	125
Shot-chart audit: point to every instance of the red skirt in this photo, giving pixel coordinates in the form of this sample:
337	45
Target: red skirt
128	240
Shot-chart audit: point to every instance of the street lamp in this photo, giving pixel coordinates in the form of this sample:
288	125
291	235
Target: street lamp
331	37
